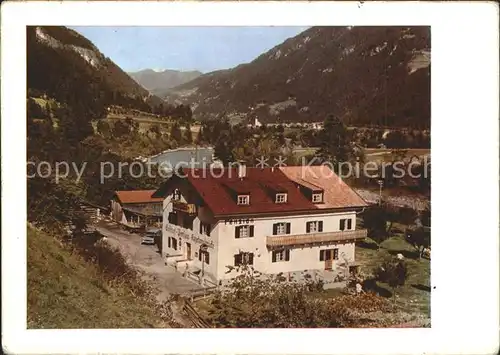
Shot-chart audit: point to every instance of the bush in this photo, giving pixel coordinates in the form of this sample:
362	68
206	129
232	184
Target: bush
393	272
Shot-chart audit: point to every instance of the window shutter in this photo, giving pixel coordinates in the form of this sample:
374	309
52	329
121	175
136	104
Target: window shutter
237	232
274	256
335	254
287	255
342	224
275	228
237	260
308	227
321	255
320	226
288	228
349	223
250	232
250	258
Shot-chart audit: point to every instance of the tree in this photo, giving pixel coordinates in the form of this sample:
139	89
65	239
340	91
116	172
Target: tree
121	128
103	128
378	221
425	217
74	127
419	238
223	150
34	110
393	272
333	140
155	130
175	133
188	136
254	302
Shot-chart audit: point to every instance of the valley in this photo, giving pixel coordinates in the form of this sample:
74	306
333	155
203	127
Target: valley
334	97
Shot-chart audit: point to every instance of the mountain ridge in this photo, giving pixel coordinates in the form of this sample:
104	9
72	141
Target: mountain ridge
160	82
365	75
69	67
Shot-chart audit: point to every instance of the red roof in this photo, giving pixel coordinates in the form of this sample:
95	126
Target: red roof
219	189
336	193
137	196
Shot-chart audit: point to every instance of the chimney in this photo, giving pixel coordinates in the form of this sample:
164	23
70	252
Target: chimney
242	170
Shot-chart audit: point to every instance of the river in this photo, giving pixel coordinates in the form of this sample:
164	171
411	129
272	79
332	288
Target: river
174	157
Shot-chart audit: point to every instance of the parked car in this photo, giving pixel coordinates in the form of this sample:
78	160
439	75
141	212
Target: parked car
150	236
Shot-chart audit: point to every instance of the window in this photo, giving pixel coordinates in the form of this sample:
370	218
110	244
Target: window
243	258
172	218
343	223
205	228
176	195
243	232
314	227
243	199
281	255
188	222
328	254
172	243
204	256
317	197
281	228
281	198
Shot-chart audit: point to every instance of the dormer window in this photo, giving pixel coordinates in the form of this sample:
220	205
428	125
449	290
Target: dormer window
176	195
281	198
243	199
317	197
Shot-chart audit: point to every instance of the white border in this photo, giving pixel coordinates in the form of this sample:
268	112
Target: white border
465	179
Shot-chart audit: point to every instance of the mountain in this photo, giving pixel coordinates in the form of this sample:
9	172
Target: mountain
65	65
159	82
364	75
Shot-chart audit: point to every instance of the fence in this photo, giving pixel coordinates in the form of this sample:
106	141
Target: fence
194	316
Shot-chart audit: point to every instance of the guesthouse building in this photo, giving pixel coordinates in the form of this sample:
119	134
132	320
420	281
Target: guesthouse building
274	219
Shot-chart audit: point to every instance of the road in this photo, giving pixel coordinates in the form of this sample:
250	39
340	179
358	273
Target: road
148	259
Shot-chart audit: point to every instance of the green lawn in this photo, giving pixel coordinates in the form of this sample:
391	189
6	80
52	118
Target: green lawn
414	296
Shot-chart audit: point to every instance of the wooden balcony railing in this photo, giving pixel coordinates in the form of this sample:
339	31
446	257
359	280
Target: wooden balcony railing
316	238
188	208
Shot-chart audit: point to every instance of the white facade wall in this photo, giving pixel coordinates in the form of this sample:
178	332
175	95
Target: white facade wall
193	237
301	258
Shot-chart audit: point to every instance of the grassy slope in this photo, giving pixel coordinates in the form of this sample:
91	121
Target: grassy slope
413	297
65	291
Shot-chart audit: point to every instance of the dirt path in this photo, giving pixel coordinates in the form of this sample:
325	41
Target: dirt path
148	259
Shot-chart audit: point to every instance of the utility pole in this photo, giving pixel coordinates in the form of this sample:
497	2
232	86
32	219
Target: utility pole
380	183
203	249
385	93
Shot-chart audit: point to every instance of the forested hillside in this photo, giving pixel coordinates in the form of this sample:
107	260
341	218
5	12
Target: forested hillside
363	75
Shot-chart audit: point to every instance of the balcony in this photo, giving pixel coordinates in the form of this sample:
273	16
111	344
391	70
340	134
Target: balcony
316	238
188	208
189	235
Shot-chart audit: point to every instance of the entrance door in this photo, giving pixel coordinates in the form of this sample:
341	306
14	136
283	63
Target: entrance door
188	251
328	256
328	264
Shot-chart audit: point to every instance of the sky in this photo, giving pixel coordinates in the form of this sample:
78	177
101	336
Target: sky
185	48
